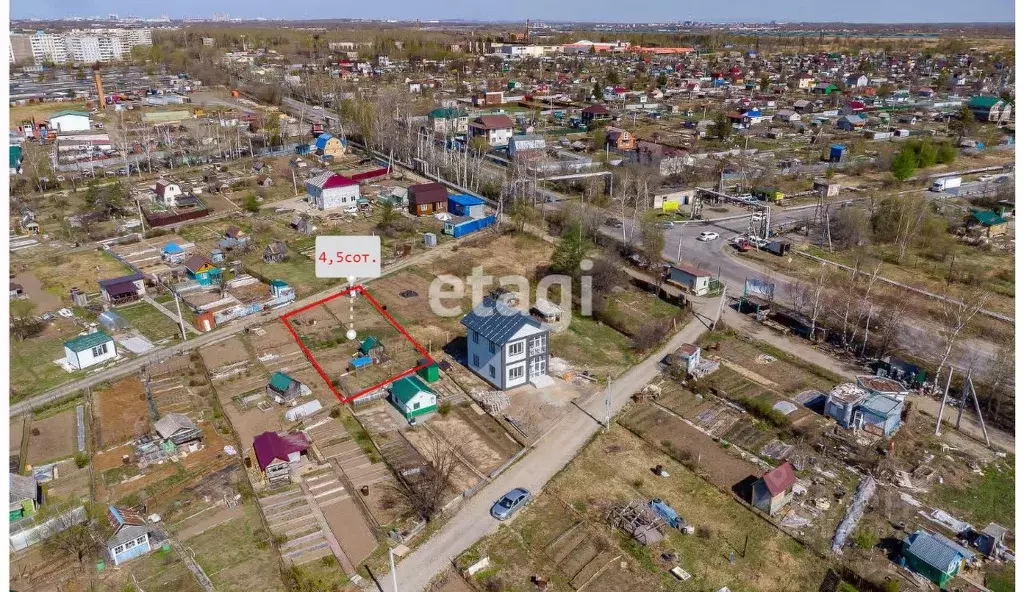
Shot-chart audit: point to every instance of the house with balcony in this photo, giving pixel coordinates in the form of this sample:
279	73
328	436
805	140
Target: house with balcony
496	129
505	346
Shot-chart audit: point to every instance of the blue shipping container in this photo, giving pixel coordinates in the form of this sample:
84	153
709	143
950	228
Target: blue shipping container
468	226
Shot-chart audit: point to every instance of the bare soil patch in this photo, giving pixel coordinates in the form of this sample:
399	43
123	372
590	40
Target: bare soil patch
122	412
55	438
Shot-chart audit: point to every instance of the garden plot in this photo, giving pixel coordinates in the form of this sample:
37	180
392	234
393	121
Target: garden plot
122	412
464	476
249	416
291	520
59	273
233	558
33	289
785	376
52	438
169	393
224	355
485	449
342	514
337	446
688	445
71	481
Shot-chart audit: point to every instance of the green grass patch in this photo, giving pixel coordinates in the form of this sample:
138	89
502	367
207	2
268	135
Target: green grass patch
149	321
987	497
32	368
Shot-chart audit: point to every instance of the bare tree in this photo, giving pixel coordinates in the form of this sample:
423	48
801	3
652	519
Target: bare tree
889	321
425	492
71	535
958	310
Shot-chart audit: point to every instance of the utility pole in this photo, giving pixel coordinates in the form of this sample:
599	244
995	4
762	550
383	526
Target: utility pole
942	405
608	405
181	323
394	574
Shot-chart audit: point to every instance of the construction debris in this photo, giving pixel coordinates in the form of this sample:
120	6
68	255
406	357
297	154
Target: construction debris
494	401
637	519
765	359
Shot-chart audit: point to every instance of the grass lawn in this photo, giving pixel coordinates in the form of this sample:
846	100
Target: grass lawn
149	321
592	345
232	557
42	110
32	368
163	571
986	498
58	274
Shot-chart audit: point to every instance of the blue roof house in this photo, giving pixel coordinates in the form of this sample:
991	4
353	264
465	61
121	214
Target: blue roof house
466	205
934	556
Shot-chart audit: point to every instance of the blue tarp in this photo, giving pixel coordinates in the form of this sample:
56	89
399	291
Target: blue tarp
361	361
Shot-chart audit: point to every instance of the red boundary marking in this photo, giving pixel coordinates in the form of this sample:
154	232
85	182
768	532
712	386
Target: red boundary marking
312	360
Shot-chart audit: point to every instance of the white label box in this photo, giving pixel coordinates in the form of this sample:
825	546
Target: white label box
347	256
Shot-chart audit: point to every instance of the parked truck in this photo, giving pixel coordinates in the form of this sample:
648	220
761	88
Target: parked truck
946	183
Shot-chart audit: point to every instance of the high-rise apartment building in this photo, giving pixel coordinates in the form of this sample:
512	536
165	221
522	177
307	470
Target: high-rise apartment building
77	46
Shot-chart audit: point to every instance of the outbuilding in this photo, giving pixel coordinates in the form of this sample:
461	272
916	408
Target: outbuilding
427	198
90	349
697	281
412	397
774	489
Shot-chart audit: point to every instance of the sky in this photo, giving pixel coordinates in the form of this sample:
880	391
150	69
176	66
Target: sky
862	11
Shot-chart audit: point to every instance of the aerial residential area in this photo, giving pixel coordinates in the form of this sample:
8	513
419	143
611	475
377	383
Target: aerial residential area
685	306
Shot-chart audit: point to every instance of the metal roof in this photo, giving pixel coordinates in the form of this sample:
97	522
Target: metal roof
465	200
882	405
937	551
497	321
171	423
88	341
407	387
22	488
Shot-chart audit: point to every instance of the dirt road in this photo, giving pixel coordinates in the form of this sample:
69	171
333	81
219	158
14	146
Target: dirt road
552	452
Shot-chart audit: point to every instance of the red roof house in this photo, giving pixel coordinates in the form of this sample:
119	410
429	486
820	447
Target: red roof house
774	489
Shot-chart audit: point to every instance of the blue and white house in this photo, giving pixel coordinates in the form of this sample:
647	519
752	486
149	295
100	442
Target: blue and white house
505	346
131	535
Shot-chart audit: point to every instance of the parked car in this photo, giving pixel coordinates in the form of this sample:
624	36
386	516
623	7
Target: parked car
707	236
351	210
510	503
613	222
667	225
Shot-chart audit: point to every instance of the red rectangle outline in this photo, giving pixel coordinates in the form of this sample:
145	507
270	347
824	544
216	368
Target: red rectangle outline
312	360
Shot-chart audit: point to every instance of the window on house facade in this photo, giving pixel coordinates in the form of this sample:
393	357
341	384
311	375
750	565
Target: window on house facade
490	347
537	344
517	348
515	373
118	549
415	406
492	371
476	337
129	545
476	360
99	350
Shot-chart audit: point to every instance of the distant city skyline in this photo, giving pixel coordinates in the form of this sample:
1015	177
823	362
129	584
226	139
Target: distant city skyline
866	11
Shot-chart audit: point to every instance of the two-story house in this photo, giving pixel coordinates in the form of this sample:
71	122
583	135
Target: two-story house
450	121
505	346
496	129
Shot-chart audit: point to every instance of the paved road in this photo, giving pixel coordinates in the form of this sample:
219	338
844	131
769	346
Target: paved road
127	367
473	522
718	257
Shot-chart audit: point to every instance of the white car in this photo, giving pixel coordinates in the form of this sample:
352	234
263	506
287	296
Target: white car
707	236
351	210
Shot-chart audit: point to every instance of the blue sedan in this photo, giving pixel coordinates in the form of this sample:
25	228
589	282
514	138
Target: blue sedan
510	503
